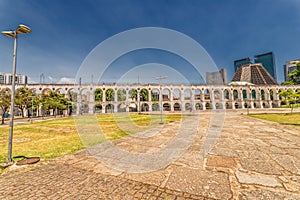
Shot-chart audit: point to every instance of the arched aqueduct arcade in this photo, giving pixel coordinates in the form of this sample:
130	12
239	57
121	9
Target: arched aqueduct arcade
125	98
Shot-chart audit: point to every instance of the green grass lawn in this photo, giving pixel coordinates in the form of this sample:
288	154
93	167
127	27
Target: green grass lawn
282	118
58	137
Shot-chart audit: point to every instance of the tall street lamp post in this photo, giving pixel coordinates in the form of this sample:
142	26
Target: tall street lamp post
159	78
22	29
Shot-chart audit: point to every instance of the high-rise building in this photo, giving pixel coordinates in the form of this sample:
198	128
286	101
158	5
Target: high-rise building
268	62
241	62
255	74
216	78
6	79
289	67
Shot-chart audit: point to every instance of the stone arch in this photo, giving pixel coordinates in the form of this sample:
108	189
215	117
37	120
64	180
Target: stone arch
176	94
255	105
187	94
188	106
121	95
144	95
46	91
133	107
132	95
226	94
85	94
155	107
166	94
219	105
177	107
122	107
197	94
59	90
244	94
84	103
72	95
262	95
271	92
109	108
280	97
253	94
247	105
155	94
207	106
217	94
235	95
98	95
228	105
236	105
144	107
33	90
98	108
206	94
167	107
7	90
198	106
84	108
110	94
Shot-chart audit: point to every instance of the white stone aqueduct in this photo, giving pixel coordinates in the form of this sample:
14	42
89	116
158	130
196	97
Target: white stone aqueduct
174	97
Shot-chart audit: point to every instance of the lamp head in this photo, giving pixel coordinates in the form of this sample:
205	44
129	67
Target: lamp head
11	34
22	29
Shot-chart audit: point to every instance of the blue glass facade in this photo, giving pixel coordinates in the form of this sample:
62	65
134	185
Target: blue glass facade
241	62
267	60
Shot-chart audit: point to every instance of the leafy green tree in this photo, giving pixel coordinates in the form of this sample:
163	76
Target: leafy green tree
121	95
98	95
54	101
133	94
110	94
5	98
290	98
72	96
294	76
23	99
144	95
32	103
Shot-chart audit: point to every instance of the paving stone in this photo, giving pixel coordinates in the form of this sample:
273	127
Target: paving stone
224	151
257	155
267	195
195	181
283	144
288	162
221	161
259	166
258	179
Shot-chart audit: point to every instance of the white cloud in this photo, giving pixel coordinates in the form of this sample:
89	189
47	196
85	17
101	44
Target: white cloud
66	80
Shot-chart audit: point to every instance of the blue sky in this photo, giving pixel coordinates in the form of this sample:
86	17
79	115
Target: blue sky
64	32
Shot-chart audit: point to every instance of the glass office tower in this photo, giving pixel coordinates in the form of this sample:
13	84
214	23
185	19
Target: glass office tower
268	61
241	62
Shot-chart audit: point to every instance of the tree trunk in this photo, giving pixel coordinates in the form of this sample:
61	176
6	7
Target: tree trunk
2	120
22	112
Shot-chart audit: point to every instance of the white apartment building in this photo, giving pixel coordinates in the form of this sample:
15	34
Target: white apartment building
289	67
6	79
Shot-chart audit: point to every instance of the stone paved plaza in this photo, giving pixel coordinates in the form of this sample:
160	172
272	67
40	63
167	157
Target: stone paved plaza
252	159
